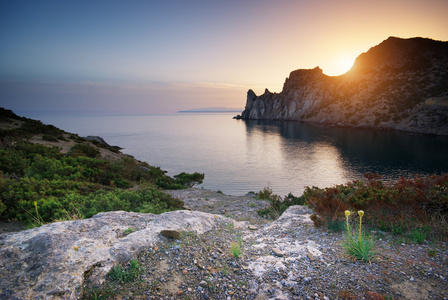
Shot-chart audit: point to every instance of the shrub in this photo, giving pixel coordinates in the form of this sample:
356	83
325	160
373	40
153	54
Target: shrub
84	150
180	181
189	180
40	184
277	205
50	138
328	204
398	207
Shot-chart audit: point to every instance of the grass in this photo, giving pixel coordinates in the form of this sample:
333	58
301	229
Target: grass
336	225
419	235
127	274
128	231
236	248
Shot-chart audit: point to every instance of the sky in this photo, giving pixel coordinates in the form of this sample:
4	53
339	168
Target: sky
164	56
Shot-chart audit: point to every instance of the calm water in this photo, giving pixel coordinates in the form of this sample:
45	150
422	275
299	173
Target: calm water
240	156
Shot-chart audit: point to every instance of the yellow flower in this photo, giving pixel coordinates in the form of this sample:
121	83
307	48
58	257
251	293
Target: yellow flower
361	213
35	203
347	213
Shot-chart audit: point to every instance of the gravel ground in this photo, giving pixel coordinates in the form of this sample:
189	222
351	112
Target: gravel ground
285	259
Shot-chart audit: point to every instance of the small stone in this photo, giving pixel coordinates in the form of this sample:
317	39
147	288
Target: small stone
412	279
231	292
180	293
277	252
252	227
184	272
174	234
310	256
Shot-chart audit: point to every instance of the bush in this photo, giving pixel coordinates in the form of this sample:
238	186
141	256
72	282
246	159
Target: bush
180	181
50	138
399	207
189	180
84	150
277	205
29	199
40	184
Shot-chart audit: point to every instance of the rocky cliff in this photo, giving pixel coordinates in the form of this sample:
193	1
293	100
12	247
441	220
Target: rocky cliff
400	84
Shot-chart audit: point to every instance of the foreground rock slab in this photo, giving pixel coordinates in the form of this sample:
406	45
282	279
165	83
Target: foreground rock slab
55	260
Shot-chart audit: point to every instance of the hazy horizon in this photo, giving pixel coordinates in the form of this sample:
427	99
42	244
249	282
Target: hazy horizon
147	57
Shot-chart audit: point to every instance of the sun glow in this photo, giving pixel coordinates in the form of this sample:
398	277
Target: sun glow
339	65
346	64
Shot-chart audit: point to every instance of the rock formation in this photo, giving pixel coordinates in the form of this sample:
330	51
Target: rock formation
55	260
400	84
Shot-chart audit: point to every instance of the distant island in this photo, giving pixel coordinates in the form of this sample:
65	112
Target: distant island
211	110
400	84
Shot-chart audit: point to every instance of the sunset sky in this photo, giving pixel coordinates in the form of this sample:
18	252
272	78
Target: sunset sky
164	56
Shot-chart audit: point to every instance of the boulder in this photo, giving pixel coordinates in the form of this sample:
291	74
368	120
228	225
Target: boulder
55	260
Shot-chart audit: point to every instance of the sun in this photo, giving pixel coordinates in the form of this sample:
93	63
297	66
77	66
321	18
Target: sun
345	64
339	65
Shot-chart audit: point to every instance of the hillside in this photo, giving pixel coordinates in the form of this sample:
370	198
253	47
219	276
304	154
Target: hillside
400	84
48	174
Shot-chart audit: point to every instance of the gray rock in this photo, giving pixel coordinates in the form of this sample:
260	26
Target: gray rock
55	260
278	252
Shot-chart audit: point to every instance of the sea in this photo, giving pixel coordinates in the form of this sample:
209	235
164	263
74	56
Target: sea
241	156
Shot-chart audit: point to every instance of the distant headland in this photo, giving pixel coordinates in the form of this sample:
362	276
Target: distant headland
211	110
400	84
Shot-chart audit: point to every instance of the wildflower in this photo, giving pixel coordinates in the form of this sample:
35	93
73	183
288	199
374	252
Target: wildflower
361	247
35	203
347	214
360	213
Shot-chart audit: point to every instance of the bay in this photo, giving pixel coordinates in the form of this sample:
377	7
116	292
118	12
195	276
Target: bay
239	156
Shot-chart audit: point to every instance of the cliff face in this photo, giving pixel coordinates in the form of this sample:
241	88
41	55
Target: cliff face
400	84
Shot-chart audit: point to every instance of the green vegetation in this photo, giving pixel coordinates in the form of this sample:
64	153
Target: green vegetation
358	245
409	206
415	208
40	184
127	274
277	204
237	248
